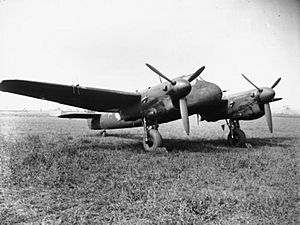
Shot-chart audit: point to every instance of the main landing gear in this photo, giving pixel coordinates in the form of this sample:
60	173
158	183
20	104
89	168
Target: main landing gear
236	137
152	138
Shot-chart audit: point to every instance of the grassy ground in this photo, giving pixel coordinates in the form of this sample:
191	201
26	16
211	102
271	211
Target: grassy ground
56	171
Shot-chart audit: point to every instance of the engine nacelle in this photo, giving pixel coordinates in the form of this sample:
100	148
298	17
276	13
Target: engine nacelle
247	112
111	121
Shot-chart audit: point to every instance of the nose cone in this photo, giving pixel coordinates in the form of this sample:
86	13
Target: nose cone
267	95
209	93
204	94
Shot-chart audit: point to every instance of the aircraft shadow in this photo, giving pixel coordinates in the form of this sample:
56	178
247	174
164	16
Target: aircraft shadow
115	141
198	145
203	145
272	142
125	136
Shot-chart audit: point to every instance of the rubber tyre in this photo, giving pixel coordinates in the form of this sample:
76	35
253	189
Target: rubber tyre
238	140
154	140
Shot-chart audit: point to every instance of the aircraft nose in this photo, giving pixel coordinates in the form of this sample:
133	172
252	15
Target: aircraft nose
214	92
205	94
217	92
267	95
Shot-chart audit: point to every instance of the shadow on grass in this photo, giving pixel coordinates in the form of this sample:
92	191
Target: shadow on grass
112	141
134	141
272	141
203	145
109	134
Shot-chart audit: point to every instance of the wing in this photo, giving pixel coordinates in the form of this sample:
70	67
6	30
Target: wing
84	97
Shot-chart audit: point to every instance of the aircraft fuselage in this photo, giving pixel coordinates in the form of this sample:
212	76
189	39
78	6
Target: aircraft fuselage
157	102
204	97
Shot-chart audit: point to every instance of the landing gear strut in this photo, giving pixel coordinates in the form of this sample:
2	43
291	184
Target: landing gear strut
236	137
152	138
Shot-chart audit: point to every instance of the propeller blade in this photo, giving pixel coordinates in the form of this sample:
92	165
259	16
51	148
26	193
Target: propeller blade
196	74
276	99
268	116
160	74
259	89
276	82
184	115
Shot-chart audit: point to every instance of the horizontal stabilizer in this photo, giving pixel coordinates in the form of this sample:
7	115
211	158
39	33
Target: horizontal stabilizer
80	115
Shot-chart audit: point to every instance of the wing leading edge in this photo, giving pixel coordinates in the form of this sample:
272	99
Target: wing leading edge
95	99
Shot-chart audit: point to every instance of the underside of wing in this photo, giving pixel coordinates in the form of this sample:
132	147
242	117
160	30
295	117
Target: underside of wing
95	99
80	115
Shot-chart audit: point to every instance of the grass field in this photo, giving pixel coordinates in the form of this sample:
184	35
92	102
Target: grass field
56	171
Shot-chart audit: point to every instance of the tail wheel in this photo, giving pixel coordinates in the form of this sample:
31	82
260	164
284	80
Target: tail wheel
153	140
238	139
103	133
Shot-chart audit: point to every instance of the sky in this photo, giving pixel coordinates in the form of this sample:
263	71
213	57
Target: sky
106	44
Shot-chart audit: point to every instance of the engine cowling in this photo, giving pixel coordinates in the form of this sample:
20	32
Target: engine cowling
247	112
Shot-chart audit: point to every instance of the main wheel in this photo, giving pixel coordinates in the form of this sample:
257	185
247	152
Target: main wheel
154	140
238	139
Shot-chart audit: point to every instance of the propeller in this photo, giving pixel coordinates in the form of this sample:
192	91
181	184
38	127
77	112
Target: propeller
276	82
268	116
259	89
184	115
266	95
160	74
180	89
196	74
276	99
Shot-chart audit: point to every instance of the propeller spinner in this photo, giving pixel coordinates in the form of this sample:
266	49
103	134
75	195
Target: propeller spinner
266	95
180	89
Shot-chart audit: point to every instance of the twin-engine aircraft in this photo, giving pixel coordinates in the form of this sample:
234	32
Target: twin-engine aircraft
170	100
